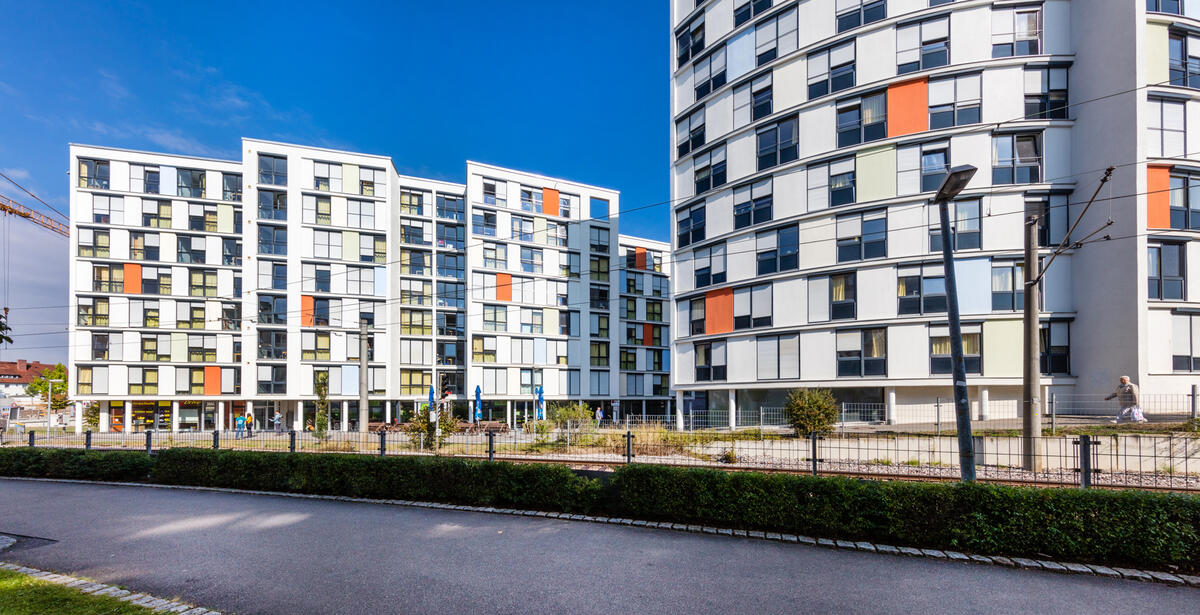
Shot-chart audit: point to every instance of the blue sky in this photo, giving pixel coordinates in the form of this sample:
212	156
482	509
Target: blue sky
562	87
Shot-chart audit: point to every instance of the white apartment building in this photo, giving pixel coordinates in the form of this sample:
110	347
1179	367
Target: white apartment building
808	137
205	289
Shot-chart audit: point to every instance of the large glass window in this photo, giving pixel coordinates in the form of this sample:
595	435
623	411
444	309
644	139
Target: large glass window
709	169
272	170
965	226
1045	93
863	119
1016	31
1165	266
940	361
1008	286
708	73
923	45
862	236
1056	347
954	101
1166	128
709	266
190	183
777	144
750	9
689	134
843	296
1017	158
93	173
862	352
752	203
777	250
854	13
831	70
710	361
689	224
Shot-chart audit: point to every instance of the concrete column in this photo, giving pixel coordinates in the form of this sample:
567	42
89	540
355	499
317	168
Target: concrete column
78	417
345	416
250	411
508	412
104	422
128	424
220	426
643	411
174	416
679	410
387	412
983	404
890	419
732	409
299	424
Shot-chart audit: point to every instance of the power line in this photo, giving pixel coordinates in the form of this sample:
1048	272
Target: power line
23	189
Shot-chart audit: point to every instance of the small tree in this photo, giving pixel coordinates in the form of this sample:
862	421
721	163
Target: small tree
37	388
91	416
563	411
811	410
4	328
321	386
423	430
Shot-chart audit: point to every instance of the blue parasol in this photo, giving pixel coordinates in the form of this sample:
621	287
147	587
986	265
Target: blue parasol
478	403
541	405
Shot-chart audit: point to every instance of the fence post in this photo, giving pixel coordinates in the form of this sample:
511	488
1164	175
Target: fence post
1053	414
382	443
1085	461
813	436
937	404
87	440
1195	401
149	441
492	444
32	437
292	441
628	447
216	440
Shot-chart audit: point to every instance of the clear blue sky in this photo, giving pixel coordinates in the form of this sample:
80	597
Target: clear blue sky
567	88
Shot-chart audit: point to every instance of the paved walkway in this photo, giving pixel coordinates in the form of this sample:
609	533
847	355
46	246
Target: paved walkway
260	554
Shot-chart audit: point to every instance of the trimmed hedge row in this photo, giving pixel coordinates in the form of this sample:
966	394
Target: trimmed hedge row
1131	528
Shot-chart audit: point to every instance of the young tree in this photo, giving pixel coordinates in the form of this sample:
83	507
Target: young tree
811	410
37	388
321	424
4	328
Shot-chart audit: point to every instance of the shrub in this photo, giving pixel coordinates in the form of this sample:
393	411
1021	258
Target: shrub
422	430
75	464
562	411
811	410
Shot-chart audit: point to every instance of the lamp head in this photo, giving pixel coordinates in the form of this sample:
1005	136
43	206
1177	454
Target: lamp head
954	182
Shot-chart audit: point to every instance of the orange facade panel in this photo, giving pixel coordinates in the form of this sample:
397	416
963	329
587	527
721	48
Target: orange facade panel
307	313
639	255
133	279
1158	196
908	107
503	287
718	311
647	334
550	201
212	380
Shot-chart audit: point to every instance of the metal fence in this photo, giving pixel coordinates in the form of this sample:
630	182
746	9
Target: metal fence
1169	461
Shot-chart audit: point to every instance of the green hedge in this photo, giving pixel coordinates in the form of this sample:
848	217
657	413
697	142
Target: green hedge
1131	528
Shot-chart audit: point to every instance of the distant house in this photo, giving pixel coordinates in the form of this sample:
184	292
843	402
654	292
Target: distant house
14	375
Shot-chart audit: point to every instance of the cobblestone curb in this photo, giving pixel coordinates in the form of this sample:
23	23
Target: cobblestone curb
1149	576
100	589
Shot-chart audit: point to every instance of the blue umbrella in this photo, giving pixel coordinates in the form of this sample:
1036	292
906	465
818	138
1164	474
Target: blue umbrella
478	403
541	404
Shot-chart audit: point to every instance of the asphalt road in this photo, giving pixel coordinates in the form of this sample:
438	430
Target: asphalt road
262	554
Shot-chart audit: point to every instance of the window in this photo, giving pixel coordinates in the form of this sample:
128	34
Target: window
940	361
599	354
752	101
495	192
189	249
531	320
598	379
557	233
954	101
710	361
102	209
710	266
93	243
775	38
1165	266
272	170
964	226
202	217
689	134
495	318
202	348
628	359
189	315
272	310
752	204
1185	201
1166	128
272	239
689	41
921	167
654	311
451	236
369	180
451	265
231	252
272	205
272	344
531	381
451	294
831	184
862	236
1165	6
84	376
484	223
531	260
709	73
854	13
1017	159
1183	64
599	326
689	224
842	296
314	346
143	380
272	275
156	281
495	255
1053	219
93	312
203	283
860	120
413	232
231	186
862	353
93	174
752	306
327	244
451	207
1008	286
599	239
108	279
316	209
360	214
779	357
272	379
599	268
417	322
1046	93
777	144
1016	32
327	176
522	228
360	281
923	45
416	292
412	202
696	316
190	183
709	169
778	250
749	10
145	179
1056	346
1185	342
831	70
100	346
598	297
156	214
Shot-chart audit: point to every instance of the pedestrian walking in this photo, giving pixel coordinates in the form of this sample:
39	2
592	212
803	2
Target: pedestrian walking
249	425
599	415
278	419
240	425
1127	397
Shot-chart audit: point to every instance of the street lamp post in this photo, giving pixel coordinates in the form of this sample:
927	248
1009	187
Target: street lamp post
954	183
50	400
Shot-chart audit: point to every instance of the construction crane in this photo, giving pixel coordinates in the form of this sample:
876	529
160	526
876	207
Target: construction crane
12	207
